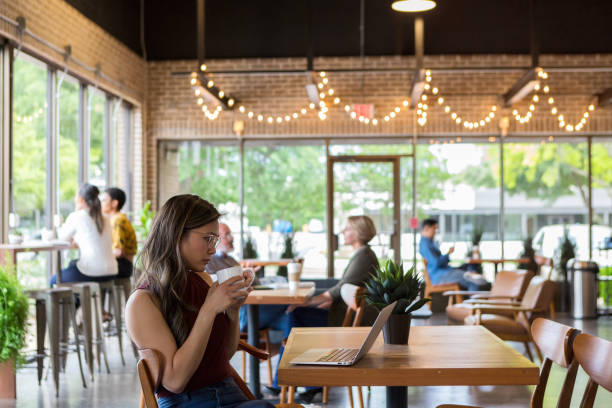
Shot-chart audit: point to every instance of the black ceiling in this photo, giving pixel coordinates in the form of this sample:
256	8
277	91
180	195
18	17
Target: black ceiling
279	28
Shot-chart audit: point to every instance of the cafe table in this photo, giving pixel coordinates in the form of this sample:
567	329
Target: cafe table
268	262
497	262
280	295
8	252
435	355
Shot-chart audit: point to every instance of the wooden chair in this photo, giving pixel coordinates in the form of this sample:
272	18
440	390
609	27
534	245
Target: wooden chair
355	302
516	328
547	263
150	373
439	288
508	289
264	344
556	342
594	356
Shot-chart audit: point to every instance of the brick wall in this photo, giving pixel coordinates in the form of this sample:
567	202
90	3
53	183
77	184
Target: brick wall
174	114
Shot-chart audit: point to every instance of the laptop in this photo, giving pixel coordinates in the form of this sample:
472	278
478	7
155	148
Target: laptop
345	356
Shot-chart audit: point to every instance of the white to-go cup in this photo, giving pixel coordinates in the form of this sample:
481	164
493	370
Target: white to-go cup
227	273
294	270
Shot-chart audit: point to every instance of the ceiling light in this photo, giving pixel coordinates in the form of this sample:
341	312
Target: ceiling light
413	6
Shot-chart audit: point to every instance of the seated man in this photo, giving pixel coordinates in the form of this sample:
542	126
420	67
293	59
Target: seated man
270	316
437	264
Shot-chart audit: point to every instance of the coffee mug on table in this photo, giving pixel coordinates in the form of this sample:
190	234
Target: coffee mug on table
294	270
227	273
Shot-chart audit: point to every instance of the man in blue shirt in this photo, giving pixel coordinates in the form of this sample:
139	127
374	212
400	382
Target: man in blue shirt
437	264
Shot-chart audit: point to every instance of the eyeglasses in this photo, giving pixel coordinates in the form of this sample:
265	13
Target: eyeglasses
212	240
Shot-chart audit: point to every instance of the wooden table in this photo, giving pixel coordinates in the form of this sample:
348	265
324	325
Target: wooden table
268	297
435	355
8	252
268	262
496	262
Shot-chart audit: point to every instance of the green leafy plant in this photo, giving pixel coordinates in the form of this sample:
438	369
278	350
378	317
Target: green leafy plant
249	251
144	219
391	283
528	253
13	315
287	254
564	252
477	233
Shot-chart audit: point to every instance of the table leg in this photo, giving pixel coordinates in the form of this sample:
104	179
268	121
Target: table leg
253	332
397	397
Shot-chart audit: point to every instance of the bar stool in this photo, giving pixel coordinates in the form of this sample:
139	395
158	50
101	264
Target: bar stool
109	286
123	286
88	292
53	308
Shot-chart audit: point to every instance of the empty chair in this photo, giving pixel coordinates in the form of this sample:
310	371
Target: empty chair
439	288
594	356
517	327
557	343
508	288
150	367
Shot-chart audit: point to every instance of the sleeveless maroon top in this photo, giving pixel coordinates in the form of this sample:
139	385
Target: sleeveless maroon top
215	365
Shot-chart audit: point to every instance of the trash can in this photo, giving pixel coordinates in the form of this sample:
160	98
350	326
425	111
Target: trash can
584	288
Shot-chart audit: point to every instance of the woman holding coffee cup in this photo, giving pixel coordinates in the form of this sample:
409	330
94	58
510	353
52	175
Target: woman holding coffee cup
178	311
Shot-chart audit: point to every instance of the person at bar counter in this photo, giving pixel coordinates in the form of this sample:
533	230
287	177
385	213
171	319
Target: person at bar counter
90	231
328	308
180	312
270	316
125	244
437	264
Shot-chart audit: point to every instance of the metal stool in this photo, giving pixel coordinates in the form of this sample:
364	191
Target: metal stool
116	305
88	292
123	286
53	308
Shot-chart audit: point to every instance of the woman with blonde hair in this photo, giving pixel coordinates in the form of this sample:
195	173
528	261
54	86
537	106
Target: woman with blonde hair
178	311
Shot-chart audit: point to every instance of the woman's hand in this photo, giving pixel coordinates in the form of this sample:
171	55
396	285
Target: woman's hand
221	296
234	309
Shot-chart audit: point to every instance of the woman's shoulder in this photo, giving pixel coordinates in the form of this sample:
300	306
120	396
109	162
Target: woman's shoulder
141	299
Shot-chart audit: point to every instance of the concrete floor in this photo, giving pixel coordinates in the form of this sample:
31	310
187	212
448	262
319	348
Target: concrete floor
121	388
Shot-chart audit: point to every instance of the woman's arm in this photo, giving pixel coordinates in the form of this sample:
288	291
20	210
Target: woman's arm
148	329
68	229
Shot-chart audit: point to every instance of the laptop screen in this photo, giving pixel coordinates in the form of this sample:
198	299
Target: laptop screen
382	318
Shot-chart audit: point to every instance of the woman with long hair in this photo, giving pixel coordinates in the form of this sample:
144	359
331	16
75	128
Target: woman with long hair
178	311
90	231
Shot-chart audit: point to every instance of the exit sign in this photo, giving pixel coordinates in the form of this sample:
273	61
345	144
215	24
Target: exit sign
365	110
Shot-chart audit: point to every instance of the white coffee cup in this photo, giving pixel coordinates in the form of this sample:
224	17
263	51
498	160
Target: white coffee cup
294	270
227	273
47	235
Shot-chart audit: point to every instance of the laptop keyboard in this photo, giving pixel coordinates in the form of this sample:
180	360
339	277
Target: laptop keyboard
340	355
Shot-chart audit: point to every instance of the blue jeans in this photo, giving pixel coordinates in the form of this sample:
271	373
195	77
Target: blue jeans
270	316
224	394
456	275
303	317
72	274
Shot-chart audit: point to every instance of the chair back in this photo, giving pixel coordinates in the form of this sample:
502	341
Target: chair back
594	355
150	374
542	261
355	302
555	341
426	274
511	284
539	293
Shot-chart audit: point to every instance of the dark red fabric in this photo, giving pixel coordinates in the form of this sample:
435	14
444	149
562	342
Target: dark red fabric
215	365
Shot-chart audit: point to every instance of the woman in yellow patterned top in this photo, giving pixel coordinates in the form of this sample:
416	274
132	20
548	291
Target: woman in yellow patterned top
124	237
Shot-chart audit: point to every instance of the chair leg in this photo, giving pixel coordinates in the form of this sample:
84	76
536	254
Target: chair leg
283	394
100	341
350	396
53	315
552	310
291	398
325	397
528	350
117	312
87	330
360	396
538	352
41	323
76	337
270	379
64	333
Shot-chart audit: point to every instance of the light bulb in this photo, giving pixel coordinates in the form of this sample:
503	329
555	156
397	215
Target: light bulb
386	118
515	112
493	108
453	115
427	86
321	104
586	114
279	119
360	118
435	91
322	73
260	117
428	73
536	98
440	101
553	111
546	89
405	103
325	81
197	92
591	108
419	111
270	119
241	109
287	118
330	92
536	87
562	124
347	108
551	100
320	85
424	97
396	109
295	115
322	116
491	115
193	81
560	117
366	121
230	103
203	67
322	95
458	121
353	115
569	128
392	114
375	122
531	108
482	123
250	115
204	108
488	119
210	84
425	106
303	111
447	109
311	105
200	101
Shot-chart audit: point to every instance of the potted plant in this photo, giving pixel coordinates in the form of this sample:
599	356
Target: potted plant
528	253
287	254
564	252
391	283
13	321
144	221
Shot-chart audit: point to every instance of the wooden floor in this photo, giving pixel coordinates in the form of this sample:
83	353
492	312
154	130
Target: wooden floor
121	387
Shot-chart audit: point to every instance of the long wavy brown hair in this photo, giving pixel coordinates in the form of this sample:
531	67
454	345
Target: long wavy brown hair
164	272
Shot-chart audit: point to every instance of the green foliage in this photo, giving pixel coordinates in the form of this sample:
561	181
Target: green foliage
564	252
605	288
249	251
144	221
13	315
528	253
391	283
287	254
477	233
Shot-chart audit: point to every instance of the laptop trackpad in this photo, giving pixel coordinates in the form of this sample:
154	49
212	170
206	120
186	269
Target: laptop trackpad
310	356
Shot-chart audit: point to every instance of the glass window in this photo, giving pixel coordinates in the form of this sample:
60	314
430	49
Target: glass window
29	161
97	131
68	160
